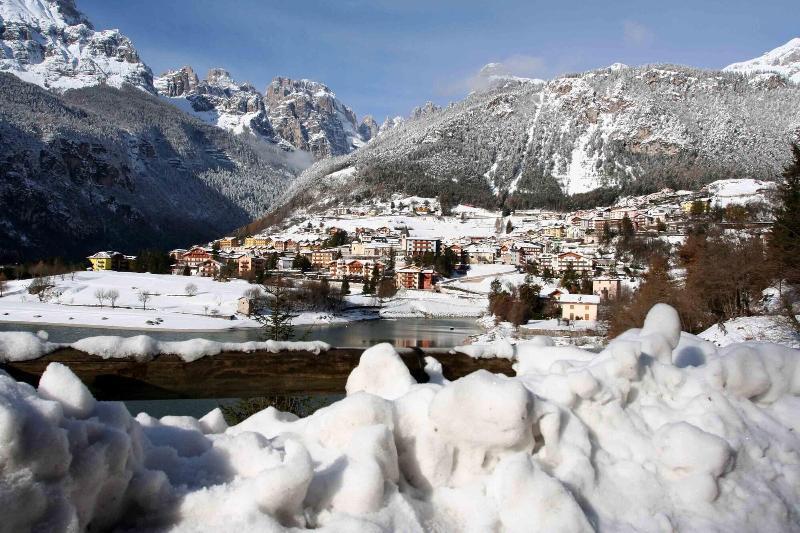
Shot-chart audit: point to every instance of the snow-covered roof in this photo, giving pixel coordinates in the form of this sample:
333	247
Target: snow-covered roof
579	299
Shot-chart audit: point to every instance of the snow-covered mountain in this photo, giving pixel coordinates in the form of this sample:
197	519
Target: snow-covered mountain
308	115
629	129
783	61
297	114
52	44
105	168
107	163
217	99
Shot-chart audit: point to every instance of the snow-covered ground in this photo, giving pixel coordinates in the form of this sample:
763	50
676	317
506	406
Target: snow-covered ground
426	226
740	191
630	439
753	328
412	303
169	307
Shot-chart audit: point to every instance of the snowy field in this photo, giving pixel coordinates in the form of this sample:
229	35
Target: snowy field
419	226
753	328
740	191
630	439
459	297
169	307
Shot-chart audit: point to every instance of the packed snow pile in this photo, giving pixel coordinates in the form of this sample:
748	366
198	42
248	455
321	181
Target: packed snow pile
634	438
23	346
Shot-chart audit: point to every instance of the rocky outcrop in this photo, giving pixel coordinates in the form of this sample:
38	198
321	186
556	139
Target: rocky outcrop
368	129
218	100
181	82
311	118
424	110
296	114
52	44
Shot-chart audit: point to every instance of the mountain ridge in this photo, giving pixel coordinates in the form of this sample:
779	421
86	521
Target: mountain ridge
611	129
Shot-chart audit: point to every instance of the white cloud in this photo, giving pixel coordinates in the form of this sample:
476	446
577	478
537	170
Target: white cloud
636	33
517	65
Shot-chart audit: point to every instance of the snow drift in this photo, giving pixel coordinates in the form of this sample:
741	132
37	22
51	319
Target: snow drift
630	439
24	346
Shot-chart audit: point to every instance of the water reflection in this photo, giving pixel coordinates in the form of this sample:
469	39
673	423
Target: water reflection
406	332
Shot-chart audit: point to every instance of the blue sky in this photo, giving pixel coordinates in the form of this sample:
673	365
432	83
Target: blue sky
384	58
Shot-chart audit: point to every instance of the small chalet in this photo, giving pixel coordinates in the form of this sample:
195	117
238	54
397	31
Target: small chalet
579	306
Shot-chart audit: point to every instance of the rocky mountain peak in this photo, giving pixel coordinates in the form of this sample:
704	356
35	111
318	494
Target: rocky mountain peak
297	114
177	82
368	129
52	44
426	109
220	77
309	116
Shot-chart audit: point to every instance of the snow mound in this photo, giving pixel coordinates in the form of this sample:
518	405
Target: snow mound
22	346
630	439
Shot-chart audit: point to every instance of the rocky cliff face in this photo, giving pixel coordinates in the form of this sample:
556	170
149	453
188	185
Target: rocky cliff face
218	100
368	129
50	43
310	117
296	114
612	130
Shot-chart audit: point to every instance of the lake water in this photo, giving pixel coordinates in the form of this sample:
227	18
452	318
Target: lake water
407	332
403	332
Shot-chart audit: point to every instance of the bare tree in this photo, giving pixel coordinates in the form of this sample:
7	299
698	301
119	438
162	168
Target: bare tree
101	296
113	296
144	297
190	289
253	293
42	287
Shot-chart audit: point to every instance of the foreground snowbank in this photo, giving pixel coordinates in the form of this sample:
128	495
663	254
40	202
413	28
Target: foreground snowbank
633	438
23	346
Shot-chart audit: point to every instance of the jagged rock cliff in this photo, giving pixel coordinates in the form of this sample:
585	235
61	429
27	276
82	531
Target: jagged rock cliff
295	114
52	44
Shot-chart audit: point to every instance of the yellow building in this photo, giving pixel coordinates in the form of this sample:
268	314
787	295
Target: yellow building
257	240
110	260
227	243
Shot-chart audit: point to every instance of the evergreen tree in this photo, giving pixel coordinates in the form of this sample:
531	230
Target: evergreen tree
390	266
570	279
272	261
784	239
606	236
277	324
345	286
301	262
627	232
509	227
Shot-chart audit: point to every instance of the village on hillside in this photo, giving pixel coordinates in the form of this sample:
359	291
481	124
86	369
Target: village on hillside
410	257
